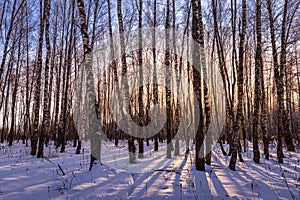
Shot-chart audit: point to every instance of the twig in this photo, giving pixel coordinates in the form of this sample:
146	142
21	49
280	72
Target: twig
168	170
62	171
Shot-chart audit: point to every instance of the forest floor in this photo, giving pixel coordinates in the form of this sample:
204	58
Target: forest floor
23	176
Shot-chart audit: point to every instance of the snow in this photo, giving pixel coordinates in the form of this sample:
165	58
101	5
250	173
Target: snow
23	176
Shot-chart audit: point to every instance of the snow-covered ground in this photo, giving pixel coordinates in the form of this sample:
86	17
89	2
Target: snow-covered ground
23	176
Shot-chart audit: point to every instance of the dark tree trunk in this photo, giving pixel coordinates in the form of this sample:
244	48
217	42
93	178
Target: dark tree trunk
34	138
279	84
155	85
196	17
284	113
14	95
65	91
257	91
141	114
27	100
114	65
168	82
240	83
124	82
46	111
